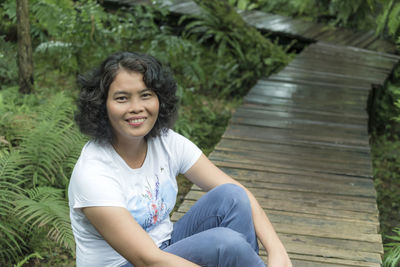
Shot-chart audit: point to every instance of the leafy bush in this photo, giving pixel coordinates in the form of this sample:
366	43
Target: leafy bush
392	250
34	172
8	63
385	144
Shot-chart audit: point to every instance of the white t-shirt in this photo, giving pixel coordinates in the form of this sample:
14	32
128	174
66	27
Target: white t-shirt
102	178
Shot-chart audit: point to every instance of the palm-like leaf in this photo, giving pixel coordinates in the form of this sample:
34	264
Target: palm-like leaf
11	240
47	207
52	146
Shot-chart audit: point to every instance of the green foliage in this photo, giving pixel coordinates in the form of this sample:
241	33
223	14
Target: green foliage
47	207
8	63
360	14
392	250
388	22
350	13
249	54
385	146
243	4
386	161
42	155
385	114
27	258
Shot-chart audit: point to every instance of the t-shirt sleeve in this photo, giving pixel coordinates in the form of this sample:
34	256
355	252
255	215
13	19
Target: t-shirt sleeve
185	152
93	185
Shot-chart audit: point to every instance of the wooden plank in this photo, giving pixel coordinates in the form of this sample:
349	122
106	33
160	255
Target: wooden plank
318	30
320	78
313	232
305	105
311	81
295	163
339	71
311	153
299	92
300	111
338	36
340	133
298	120
365	38
333	243
280	106
311	221
303	181
320	260
306	181
337	66
303	117
300	162
350	55
288	136
296	208
324	200
327	227
382	46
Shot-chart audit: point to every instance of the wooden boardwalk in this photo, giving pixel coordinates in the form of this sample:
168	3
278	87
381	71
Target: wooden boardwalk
300	143
296	28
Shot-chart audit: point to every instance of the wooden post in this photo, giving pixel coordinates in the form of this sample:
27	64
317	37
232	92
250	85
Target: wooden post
25	62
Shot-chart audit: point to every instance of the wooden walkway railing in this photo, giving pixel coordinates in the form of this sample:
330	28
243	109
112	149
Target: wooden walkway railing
300	143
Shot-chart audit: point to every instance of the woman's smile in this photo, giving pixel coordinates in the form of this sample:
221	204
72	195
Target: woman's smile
136	121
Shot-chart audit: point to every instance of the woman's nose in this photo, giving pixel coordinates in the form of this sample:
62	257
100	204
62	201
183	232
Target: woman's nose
135	106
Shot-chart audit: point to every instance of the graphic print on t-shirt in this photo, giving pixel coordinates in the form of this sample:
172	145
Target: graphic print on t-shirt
153	203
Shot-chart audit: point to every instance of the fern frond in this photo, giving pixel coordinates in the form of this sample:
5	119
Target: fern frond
392	250
47	207
394	20
11	243
53	142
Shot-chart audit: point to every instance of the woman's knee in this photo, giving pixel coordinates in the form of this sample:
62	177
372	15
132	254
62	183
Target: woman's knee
229	241
232	191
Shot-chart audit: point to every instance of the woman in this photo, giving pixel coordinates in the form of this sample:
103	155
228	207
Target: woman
123	186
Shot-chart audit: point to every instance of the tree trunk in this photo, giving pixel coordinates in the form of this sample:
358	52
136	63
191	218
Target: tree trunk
25	62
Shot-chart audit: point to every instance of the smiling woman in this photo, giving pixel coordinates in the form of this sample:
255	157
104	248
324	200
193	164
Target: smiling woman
132	110
123	187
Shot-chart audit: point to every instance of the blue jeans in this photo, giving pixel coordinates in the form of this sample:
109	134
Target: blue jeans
217	231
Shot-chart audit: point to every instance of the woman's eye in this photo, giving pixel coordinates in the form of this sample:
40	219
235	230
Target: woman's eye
147	95
121	98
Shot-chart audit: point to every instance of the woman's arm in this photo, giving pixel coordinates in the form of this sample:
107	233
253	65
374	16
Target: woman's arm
128	238
207	176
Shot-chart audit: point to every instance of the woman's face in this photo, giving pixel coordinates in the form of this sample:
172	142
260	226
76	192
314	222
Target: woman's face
131	107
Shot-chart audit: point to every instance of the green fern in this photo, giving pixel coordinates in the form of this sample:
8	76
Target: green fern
27	258
394	20
47	207
12	242
48	147
392	250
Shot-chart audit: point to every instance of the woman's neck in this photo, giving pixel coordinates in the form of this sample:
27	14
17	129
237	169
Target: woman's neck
133	152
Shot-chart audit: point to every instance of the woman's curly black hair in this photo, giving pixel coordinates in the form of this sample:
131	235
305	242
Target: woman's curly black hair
91	116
